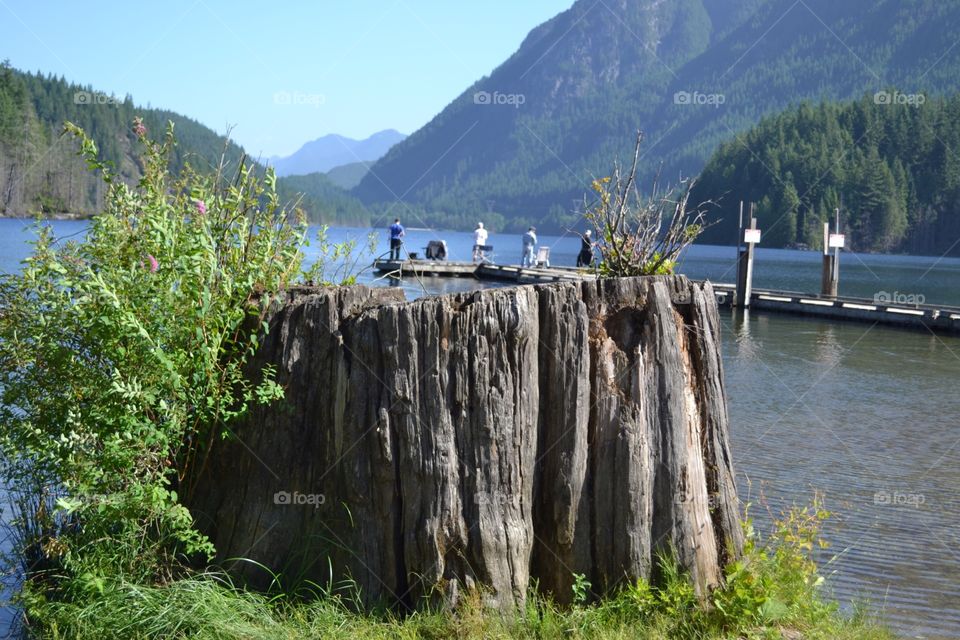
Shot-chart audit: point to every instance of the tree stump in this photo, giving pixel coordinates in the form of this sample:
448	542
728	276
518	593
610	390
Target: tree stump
486	439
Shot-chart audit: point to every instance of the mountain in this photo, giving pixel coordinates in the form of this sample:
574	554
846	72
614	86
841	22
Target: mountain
347	176
40	170
323	199
888	167
330	151
525	142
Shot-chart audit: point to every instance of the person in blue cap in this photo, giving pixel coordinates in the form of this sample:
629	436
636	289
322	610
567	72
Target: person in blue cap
396	239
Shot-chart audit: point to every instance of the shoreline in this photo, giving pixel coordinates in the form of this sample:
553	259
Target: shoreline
56	216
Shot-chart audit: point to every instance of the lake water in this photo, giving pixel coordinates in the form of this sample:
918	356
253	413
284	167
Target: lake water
866	414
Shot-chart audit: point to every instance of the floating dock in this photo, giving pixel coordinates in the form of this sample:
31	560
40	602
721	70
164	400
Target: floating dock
939	318
481	271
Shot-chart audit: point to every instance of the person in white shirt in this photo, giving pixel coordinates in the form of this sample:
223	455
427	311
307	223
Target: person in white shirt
479	241
529	248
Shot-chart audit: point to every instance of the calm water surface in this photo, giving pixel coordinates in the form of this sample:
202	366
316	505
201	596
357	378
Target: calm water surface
868	415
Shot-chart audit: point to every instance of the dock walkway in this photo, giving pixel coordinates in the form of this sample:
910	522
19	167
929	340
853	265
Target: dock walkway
942	318
482	271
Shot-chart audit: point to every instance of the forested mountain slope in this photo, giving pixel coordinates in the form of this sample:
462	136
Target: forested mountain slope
892	169
41	173
524	142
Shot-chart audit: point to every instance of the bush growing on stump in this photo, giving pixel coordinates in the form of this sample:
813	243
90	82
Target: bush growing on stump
642	234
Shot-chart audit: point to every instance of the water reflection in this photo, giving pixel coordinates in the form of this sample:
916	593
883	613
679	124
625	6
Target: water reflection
828	350
740	327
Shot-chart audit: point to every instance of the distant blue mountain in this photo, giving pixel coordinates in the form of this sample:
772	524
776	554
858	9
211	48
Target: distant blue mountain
333	150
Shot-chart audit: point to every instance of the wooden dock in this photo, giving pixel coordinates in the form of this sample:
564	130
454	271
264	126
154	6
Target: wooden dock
939	318
482	271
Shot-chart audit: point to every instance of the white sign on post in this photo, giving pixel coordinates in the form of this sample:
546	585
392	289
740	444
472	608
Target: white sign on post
837	241
751	236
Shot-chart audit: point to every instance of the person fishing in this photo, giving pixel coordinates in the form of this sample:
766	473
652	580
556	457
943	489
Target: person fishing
396	239
479	242
585	257
529	247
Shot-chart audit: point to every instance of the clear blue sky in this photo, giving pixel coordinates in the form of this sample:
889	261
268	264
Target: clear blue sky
351	67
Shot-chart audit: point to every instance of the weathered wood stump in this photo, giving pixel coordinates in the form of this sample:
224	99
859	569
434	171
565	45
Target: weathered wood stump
483	439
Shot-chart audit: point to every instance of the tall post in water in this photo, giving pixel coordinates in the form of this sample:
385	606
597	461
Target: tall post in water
740	231
826	275
837	244
751	237
830	280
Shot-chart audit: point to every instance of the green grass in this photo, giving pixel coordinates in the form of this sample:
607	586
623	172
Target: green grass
204	607
773	590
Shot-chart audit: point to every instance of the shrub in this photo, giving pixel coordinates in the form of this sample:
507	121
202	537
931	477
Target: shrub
122	358
641	235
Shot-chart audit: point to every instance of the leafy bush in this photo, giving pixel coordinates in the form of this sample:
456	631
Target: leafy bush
122	358
776	582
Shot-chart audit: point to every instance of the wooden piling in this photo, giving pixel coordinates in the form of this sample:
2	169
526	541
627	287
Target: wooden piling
745	269
829	279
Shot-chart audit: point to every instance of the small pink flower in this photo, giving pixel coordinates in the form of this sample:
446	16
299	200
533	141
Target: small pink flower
201	207
154	265
139	128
